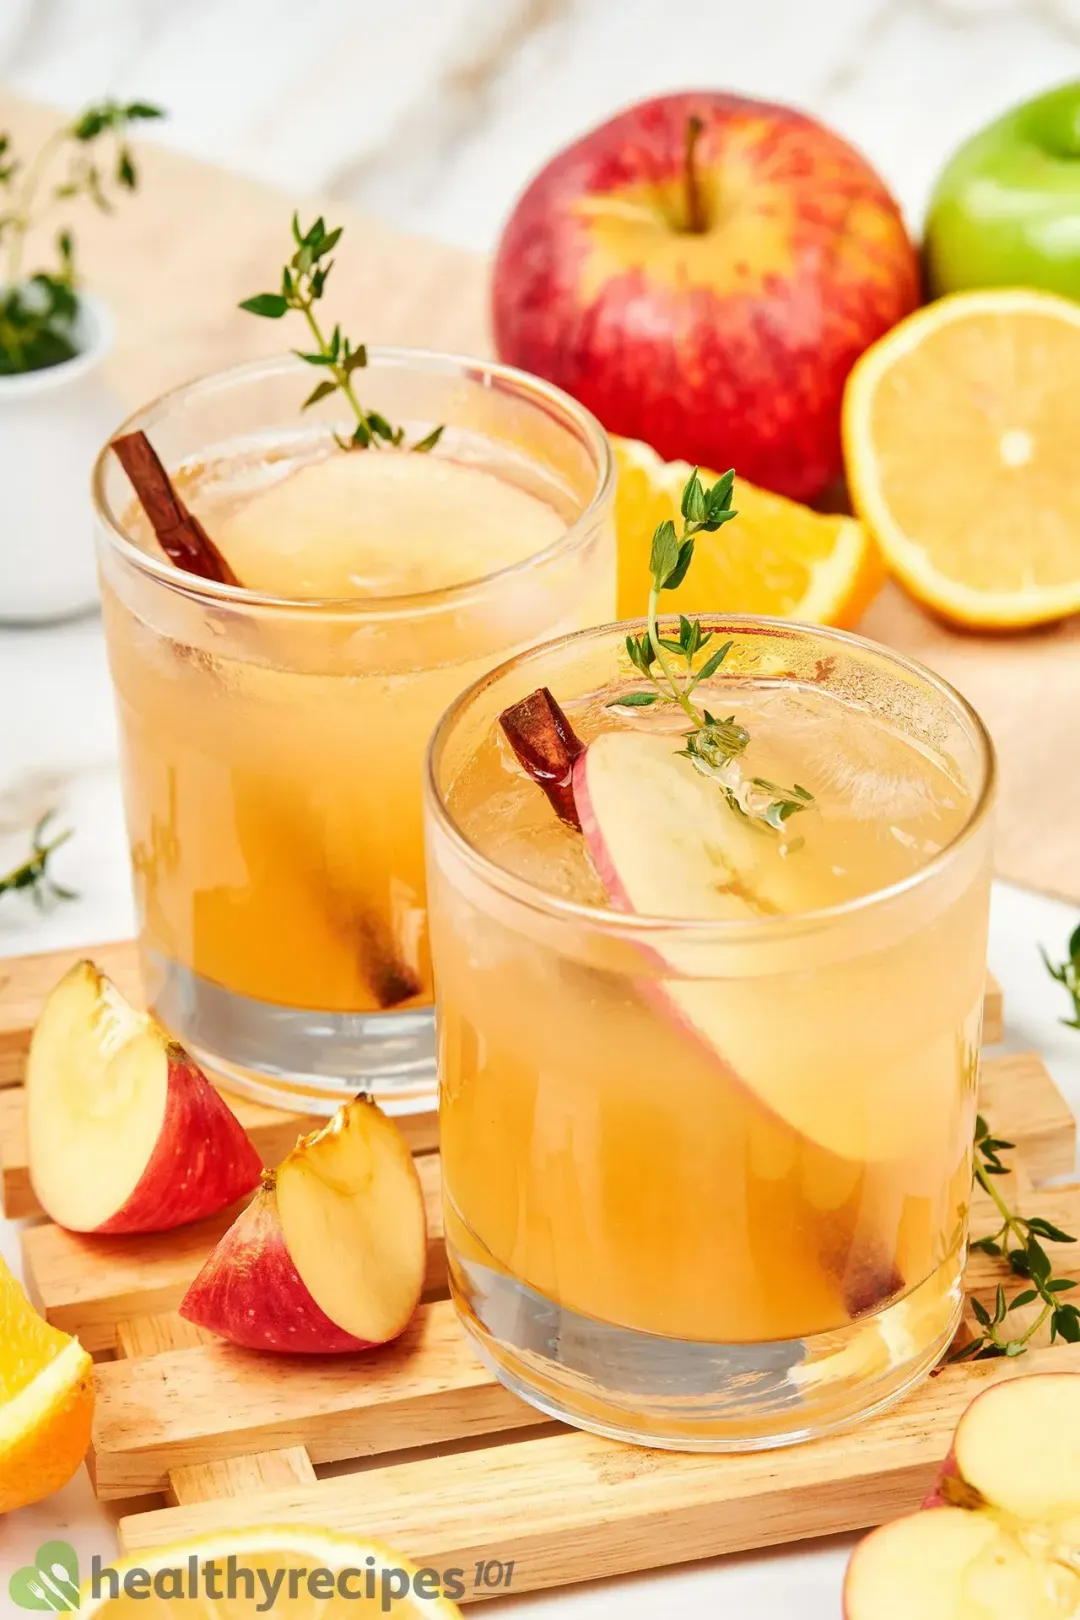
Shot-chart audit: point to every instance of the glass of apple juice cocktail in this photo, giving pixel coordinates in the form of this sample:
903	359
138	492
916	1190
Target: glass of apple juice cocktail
710	973
273	731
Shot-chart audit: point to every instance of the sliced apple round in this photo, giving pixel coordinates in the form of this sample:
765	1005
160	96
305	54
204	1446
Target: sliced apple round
126	1134
331	1255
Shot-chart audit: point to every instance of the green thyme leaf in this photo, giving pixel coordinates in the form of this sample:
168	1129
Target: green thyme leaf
665	553
322	391
712	664
693	503
634	700
681	568
270	305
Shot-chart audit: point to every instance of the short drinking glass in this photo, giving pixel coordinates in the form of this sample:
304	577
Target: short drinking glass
707	1102
273	733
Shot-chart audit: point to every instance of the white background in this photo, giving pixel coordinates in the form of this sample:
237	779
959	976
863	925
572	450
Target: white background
432	113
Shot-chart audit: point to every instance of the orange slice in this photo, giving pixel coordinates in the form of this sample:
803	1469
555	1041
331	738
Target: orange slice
46	1401
776	558
309	1574
961	429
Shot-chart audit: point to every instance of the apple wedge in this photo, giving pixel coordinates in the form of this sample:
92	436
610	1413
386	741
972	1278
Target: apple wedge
126	1134
999	1538
330	1255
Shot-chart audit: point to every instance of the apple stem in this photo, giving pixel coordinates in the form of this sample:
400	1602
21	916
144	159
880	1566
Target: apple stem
696	222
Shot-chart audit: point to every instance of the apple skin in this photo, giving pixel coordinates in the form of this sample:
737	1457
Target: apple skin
250	1292
724	346
202	1161
1005	211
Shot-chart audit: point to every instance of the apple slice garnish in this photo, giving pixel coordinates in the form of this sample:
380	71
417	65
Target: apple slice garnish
546	747
126	1134
999	1538
331	1254
666	843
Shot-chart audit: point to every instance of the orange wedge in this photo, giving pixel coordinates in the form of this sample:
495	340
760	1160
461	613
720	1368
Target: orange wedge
296	1573
961	429
46	1401
776	558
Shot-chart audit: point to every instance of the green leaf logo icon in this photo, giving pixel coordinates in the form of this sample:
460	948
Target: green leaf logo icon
51	1583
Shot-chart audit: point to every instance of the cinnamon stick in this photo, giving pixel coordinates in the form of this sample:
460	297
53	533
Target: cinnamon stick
179	533
546	746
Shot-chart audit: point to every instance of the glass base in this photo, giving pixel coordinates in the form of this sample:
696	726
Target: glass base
682	1395
302	1060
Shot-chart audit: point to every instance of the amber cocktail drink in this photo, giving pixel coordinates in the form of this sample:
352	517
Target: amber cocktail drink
709	1029
273	733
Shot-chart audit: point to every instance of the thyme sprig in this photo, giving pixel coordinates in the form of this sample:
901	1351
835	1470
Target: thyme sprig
1067	973
303	281
33	873
712	745
38	312
1017	1242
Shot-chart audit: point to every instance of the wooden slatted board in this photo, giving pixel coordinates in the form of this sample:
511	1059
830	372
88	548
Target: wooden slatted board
450	1467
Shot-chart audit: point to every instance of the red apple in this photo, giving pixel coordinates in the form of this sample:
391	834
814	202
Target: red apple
126	1134
999	1539
702	271
331	1255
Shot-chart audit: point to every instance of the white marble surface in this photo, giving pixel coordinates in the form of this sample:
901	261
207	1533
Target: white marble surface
431	113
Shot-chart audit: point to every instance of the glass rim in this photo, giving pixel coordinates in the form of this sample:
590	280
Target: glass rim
547	396
609	919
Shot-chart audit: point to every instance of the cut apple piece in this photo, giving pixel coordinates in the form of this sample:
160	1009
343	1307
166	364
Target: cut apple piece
928	1567
126	1134
999	1538
331	1255
546	747
666	843
1018	1446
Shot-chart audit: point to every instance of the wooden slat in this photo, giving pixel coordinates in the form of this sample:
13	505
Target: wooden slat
257	1406
993	1013
272	1131
1019	1095
233	1476
25	981
240	1476
574	1508
154	1335
190	1407
89	1286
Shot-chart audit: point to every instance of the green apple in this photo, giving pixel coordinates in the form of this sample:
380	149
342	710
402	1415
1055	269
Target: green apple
1006	208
